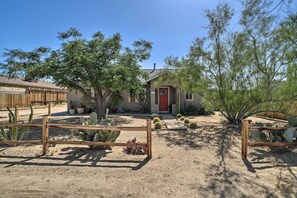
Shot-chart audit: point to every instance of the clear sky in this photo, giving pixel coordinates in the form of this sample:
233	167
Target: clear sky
171	25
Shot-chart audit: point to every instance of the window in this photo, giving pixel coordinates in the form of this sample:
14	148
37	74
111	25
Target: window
189	96
132	97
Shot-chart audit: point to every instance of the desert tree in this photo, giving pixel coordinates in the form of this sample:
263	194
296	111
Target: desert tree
99	63
239	72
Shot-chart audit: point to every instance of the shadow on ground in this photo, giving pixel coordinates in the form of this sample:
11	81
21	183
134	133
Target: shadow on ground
74	157
222	179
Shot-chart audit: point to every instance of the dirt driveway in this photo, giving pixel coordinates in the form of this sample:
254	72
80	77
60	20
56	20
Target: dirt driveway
205	162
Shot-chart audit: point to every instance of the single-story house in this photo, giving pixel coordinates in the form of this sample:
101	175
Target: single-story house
163	97
23	93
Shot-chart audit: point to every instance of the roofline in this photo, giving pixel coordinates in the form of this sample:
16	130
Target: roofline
31	85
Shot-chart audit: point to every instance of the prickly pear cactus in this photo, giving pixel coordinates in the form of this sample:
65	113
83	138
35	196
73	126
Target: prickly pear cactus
292	121
97	135
93	118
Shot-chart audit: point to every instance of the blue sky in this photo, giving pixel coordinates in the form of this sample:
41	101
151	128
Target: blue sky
171	25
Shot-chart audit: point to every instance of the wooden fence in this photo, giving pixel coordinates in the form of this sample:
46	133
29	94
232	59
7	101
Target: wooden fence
33	97
46	142
245	138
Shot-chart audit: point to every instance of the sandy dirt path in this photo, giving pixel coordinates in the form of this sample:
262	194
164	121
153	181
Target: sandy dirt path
205	162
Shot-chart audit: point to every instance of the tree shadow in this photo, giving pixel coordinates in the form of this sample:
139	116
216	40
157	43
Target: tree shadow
74	157
222	179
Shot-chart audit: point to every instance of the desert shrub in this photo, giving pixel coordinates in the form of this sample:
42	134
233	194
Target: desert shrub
191	109
186	121
135	150
206	109
182	118
156	119
179	115
158	125
193	125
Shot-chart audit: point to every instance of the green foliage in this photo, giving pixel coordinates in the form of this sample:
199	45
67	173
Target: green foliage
158	125
191	109
244	72
13	133
292	121
97	135
114	99
156	119
182	118
179	115
100	63
186	121
193	125
206	109
72	104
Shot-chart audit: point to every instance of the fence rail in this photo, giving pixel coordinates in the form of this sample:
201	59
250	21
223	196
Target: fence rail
46	142
245	139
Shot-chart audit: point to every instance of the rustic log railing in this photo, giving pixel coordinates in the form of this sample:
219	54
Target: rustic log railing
46	142
245	138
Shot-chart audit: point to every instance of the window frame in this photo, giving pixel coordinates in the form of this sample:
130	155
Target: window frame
189	94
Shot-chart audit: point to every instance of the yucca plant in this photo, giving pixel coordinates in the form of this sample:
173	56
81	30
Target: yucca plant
13	133
97	135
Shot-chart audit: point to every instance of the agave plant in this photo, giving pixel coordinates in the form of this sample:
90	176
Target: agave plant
97	135
13	133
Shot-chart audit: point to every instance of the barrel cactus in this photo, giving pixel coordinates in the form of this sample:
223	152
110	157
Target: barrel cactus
156	119
97	135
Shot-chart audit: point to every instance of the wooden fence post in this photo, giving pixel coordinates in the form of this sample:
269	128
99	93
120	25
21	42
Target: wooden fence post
149	137
16	112
45	134
49	109
244	138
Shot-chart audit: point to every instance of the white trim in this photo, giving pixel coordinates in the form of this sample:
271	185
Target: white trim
159	99
192	98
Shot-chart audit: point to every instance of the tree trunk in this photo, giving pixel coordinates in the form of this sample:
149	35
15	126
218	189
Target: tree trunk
100	107
99	103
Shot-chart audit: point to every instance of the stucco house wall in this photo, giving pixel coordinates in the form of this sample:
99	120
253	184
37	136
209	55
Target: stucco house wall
176	97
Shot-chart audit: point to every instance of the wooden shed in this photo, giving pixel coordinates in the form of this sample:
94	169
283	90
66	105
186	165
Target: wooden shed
19	92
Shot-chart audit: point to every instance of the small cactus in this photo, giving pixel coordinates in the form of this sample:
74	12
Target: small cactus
156	119
179	115
182	118
193	125
158	125
93	118
186	121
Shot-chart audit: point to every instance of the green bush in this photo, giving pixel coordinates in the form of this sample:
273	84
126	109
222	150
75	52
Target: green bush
193	125
156	119
187	121
206	109
191	109
179	115
158	125
182	118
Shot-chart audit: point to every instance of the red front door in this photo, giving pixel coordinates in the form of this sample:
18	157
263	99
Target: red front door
163	98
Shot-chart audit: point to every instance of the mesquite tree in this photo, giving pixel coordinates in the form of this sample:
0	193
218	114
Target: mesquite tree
99	63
